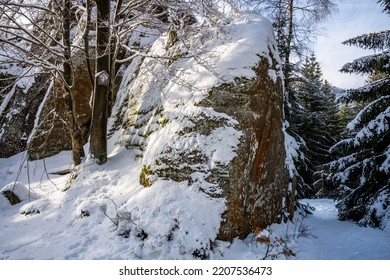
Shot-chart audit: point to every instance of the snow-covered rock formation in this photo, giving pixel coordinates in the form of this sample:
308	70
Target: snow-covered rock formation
20	99
196	148
204	117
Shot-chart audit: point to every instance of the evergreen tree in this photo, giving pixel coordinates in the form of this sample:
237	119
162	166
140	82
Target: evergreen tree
315	121
311	69
361	172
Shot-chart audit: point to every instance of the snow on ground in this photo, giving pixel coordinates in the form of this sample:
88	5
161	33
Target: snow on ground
159	217
61	230
107	214
340	240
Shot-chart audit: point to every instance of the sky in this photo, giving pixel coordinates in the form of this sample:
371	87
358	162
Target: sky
354	18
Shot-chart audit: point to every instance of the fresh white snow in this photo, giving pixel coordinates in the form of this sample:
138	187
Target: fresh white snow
332	239
105	213
63	230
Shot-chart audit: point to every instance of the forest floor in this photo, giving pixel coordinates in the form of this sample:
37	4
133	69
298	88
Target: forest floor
322	236
58	232
333	239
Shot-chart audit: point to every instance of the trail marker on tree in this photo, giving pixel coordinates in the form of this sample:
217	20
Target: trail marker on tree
102	78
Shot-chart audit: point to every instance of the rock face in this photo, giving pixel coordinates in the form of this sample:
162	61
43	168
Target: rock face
258	179
216	128
18	112
51	135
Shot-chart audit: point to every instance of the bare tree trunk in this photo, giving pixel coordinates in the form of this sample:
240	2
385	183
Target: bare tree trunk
115	52
75	132
86	42
290	27
98	141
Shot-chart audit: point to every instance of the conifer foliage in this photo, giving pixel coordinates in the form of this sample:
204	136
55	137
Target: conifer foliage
361	172
314	122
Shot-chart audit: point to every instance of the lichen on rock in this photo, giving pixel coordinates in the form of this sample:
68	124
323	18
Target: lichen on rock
215	129
258	179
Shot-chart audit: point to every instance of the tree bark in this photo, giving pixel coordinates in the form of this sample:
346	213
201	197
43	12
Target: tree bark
290	27
86	42
74	129
98	140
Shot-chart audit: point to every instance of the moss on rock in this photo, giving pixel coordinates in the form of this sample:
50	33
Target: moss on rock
145	176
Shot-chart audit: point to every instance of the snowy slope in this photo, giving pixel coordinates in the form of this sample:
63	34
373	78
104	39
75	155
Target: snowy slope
60	232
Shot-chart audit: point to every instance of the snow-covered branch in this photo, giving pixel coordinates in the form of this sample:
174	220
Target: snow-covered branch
373	41
368	64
